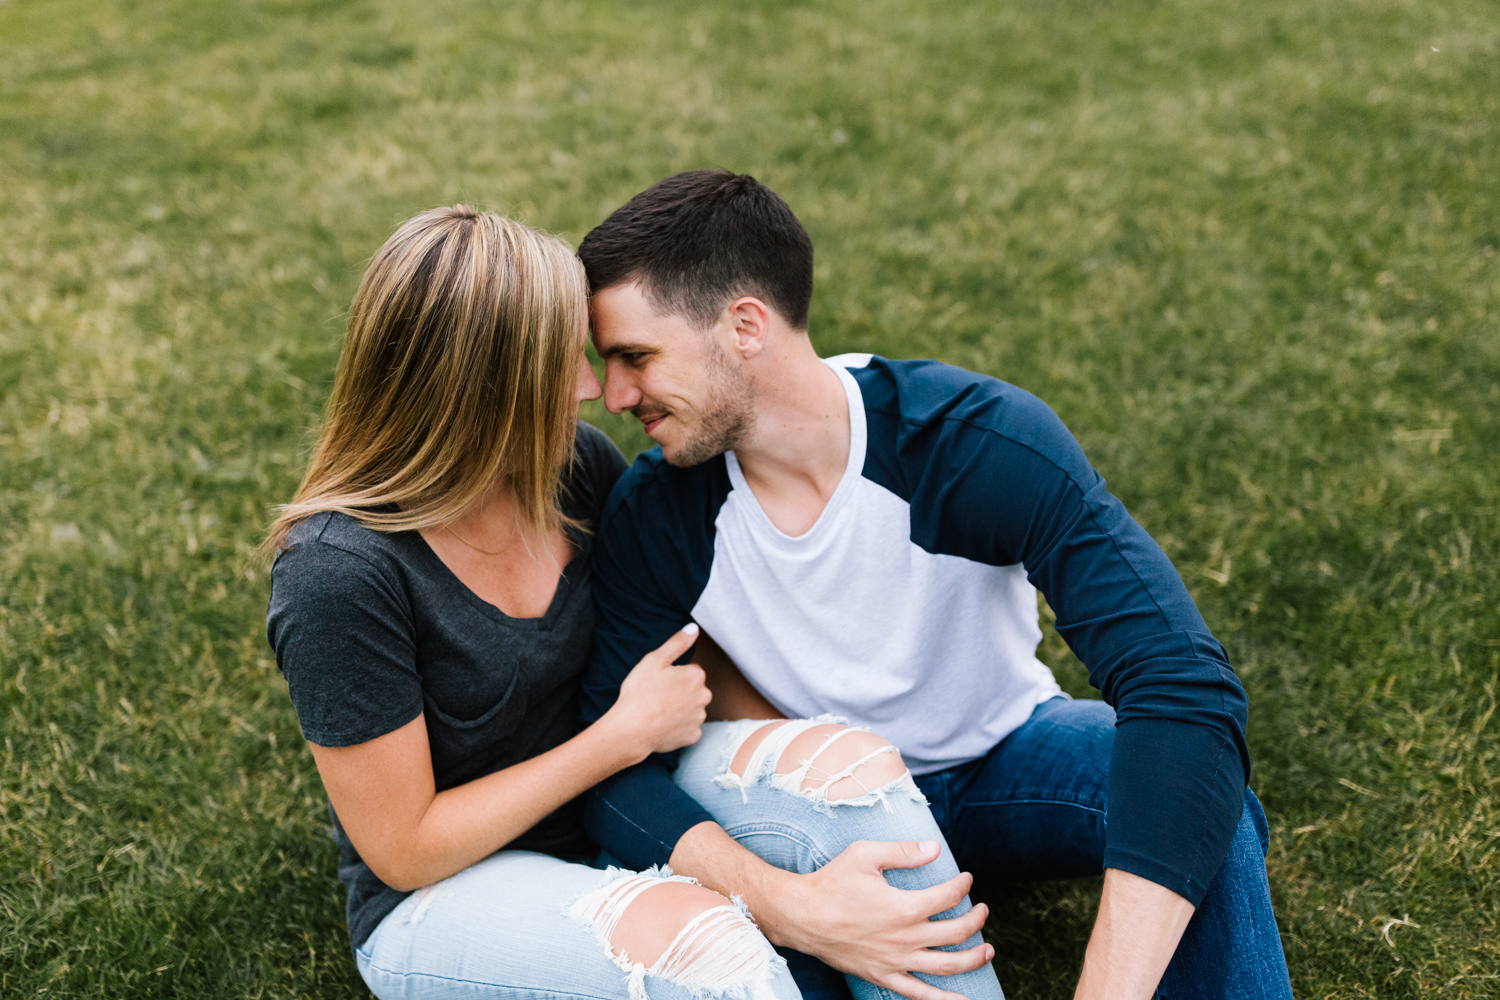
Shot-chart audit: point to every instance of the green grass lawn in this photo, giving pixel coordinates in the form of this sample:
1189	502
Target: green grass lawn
1247	250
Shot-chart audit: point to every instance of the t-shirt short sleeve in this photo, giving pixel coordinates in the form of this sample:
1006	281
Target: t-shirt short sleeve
343	634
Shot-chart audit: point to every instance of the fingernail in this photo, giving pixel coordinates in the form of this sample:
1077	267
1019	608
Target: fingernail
927	846
691	628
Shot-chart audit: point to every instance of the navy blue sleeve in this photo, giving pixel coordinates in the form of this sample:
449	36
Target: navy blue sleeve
993	475
651	563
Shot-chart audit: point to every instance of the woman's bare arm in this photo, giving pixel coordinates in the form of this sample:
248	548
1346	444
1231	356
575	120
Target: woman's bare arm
411	835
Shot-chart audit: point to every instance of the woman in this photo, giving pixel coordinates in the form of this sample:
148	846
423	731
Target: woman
431	612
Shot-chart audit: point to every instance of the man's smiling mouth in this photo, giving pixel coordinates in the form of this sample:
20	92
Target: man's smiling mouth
650	420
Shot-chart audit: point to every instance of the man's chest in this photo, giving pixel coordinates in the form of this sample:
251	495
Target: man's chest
854	593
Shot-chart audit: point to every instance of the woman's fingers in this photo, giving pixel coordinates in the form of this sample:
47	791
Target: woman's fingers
663	701
680	642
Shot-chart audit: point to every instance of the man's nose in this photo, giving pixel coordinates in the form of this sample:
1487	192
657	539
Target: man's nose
619	394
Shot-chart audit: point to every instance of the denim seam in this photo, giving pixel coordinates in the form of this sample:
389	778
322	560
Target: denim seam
779	830
1033	802
479	982
648	833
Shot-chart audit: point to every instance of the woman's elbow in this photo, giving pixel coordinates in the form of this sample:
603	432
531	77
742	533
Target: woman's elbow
400	873
399	861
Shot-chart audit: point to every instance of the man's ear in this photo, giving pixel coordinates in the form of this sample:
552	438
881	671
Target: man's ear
750	323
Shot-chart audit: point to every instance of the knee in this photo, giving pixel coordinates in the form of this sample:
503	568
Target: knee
853	764
649	924
829	761
678	930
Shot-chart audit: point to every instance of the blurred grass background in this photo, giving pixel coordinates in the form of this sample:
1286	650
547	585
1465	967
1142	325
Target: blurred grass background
1246	249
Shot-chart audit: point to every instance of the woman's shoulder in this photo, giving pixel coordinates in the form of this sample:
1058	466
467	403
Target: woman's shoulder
591	445
332	550
597	465
341	623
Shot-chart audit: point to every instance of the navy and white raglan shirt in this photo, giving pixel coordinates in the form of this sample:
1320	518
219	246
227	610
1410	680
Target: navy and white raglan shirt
910	607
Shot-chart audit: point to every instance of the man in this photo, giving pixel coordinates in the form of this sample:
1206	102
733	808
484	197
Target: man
866	537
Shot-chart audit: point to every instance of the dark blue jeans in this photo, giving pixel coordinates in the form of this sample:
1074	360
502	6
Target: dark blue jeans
1032	810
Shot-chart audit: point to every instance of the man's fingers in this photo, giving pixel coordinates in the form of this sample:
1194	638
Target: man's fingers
955	931
937	899
910	986
951	963
681	641
881	855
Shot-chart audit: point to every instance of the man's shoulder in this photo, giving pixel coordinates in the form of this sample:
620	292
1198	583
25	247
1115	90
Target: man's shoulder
656	536
924	396
589	441
654	492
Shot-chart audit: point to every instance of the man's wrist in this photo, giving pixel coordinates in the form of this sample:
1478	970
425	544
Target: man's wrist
1135	934
773	896
776	905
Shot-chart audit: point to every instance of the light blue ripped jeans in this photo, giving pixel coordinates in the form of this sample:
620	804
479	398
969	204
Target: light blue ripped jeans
801	832
526	926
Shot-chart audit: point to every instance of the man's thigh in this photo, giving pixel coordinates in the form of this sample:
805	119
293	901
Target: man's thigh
797	830
1033	809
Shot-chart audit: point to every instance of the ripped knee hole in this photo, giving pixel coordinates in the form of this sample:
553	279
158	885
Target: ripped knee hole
669	926
824	760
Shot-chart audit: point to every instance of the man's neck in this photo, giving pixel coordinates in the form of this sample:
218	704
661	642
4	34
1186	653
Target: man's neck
796	454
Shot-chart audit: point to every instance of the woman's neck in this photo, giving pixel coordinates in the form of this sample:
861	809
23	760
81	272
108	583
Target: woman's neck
498	556
494	524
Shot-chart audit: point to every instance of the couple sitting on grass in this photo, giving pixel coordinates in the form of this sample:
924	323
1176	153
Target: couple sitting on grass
480	612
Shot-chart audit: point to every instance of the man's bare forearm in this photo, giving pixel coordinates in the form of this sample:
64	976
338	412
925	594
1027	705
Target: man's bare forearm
1135	936
717	860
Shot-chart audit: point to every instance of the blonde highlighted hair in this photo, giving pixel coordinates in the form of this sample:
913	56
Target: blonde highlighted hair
457	373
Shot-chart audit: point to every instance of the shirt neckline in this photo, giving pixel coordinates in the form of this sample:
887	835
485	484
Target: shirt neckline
559	596
852	471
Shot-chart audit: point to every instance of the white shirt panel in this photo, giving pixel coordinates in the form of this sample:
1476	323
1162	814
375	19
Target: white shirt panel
934	652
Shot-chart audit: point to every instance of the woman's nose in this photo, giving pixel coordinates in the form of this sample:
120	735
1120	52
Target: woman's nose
588	385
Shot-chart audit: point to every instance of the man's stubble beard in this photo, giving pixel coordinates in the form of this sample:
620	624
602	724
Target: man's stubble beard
728	413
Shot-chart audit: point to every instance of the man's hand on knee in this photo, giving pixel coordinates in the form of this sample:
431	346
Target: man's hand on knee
846	913
857	922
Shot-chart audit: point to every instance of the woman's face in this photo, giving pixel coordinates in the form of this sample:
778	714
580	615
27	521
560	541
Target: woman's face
588	383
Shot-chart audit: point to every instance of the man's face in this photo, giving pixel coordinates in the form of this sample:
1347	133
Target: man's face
689	393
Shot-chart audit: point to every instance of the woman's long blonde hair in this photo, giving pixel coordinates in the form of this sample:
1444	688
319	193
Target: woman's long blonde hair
458	372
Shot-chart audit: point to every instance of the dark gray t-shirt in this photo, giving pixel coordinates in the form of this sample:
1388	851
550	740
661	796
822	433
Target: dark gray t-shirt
371	629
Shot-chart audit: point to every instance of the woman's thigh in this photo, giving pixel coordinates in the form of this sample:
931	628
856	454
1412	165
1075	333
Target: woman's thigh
522	925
